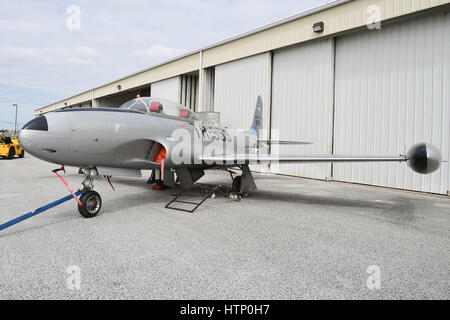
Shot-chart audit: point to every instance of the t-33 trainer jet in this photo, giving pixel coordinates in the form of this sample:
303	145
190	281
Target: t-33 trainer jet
166	137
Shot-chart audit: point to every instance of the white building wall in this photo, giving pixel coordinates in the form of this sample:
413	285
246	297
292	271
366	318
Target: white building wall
167	89
237	86
393	90
302	104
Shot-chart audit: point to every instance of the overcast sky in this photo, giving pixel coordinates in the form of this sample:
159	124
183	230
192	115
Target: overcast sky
42	60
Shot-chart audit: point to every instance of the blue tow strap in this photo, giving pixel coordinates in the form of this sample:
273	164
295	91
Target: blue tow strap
39	210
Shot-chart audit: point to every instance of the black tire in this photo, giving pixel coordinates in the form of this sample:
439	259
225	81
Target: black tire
92	203
22	154
236	186
11	153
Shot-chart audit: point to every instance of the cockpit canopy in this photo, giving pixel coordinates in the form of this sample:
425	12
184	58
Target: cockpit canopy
160	107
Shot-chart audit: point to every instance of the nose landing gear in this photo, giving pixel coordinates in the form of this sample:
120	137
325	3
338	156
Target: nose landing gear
91	202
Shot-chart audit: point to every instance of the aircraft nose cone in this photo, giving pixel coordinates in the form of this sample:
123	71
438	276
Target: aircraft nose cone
47	137
24	143
38	124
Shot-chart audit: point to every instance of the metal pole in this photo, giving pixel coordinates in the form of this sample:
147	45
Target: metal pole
200	86
15	123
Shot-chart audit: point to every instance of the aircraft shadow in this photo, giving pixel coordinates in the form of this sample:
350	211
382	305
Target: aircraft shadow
399	209
136	200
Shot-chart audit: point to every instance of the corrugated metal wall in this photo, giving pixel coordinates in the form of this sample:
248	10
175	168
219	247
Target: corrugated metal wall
167	89
237	86
393	90
189	91
302	91
208	100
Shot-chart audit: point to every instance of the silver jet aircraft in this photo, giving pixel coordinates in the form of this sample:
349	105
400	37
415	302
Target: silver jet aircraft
164	136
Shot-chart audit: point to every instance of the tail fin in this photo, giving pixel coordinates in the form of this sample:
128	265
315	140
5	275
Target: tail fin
257	123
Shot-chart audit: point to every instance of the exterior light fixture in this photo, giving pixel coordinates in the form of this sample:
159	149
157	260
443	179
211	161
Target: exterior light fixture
119	87
318	27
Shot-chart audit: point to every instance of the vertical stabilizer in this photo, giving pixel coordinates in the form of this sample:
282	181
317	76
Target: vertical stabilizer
257	123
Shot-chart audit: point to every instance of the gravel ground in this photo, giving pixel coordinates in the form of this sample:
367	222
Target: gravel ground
292	239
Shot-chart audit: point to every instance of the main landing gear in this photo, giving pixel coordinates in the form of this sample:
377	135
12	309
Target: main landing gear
155	179
244	184
236	185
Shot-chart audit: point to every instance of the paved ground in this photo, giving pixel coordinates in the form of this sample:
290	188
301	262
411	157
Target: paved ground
293	239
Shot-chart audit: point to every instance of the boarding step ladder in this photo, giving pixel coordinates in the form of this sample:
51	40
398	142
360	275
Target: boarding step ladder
191	199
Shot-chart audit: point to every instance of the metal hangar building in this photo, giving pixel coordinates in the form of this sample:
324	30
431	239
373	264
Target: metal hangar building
355	77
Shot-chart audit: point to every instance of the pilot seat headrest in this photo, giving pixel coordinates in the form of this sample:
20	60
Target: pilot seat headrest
184	113
155	106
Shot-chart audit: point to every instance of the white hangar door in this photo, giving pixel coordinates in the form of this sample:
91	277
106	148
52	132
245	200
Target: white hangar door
237	86
393	90
302	104
167	89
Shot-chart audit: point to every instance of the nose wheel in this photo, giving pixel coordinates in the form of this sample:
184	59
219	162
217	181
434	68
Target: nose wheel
91	204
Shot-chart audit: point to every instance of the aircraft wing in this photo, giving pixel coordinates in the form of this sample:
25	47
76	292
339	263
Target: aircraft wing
256	159
294	143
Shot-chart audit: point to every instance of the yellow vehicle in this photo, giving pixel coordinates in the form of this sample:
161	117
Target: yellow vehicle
10	147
